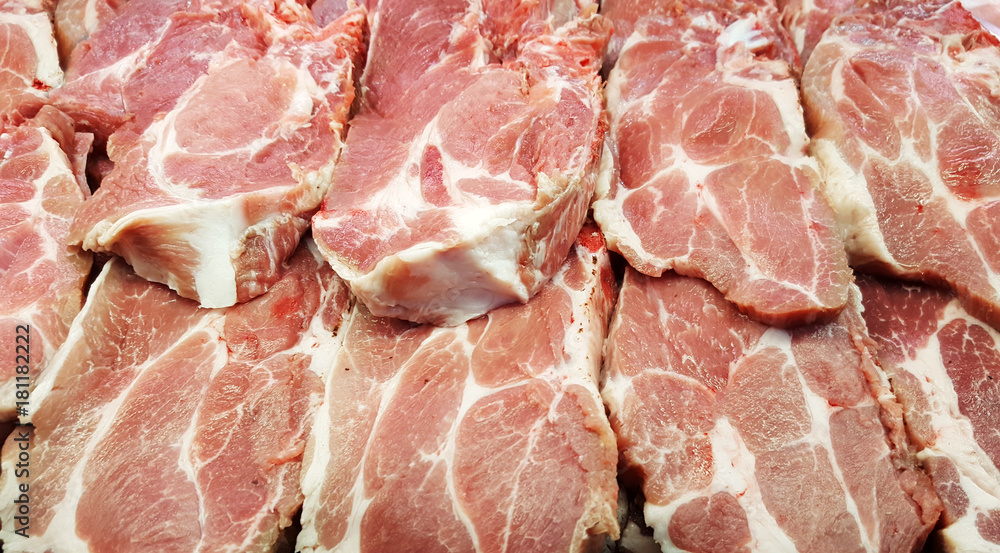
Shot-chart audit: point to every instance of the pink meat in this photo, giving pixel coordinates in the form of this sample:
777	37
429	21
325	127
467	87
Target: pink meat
905	117
76	20
806	20
470	165
29	63
488	436
706	172
164	427
215	179
41	280
945	368
751	438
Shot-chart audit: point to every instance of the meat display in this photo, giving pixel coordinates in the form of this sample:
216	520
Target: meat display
29	63
945	368
906	125
706	171
343	276
752	438
488	436
162	427
41	280
211	194
488	127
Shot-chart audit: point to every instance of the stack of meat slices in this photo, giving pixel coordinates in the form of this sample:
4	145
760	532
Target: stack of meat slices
743	436
208	429
447	361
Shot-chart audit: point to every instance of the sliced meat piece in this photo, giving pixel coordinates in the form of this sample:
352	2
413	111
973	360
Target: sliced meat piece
987	12
806	20
488	436
139	63
29	62
705	170
212	196
751	438
41	279
163	427
906	125
465	180
76	20
944	366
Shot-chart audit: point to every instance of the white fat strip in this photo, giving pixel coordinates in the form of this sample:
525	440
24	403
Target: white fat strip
955	438
743	31
61	534
962	534
218	228
324	353
39	30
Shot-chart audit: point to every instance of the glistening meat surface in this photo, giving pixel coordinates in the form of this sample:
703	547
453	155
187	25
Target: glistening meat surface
752	438
29	63
945	369
487	121
902	103
163	427
41	279
705	171
211	194
487	436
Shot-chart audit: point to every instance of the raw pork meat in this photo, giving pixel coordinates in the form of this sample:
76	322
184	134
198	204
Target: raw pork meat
469	169
945	368
325	11
705	171
41	280
212	195
163	427
77	19
987	12
806	20
29	63
488	436
752	438
906	119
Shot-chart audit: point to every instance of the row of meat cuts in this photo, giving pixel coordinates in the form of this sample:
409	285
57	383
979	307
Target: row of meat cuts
499	275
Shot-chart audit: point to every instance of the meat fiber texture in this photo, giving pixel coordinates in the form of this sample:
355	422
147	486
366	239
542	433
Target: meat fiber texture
906	126
806	20
752	438
470	166
75	20
29	62
163	427
705	170
41	280
487	436
944	366
235	120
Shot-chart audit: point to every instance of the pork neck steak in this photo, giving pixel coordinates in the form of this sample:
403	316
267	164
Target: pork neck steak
944	366
29	62
41	279
211	194
75	20
487	436
471	165
902	102
746	437
163	427
705	170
